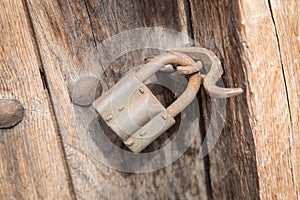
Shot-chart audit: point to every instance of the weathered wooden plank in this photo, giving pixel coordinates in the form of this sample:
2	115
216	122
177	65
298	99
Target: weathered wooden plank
32	163
268	102
233	174
286	17
268	113
67	33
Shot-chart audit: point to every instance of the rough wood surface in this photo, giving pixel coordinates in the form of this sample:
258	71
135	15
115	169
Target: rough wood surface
273	98
32	164
286	17
259	46
67	33
232	162
48	45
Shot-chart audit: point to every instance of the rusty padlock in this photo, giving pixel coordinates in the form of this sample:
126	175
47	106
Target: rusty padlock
134	113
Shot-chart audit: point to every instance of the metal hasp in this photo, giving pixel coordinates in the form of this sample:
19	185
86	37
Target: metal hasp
213	67
131	110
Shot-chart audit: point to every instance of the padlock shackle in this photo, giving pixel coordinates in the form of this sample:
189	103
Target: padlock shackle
160	61
187	96
174	58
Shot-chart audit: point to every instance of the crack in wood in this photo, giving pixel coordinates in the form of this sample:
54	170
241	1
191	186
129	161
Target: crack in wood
281	63
91	24
33	34
287	93
190	23
51	102
190	29
105	79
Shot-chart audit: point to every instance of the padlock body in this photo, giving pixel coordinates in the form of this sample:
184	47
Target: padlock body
150	132
130	108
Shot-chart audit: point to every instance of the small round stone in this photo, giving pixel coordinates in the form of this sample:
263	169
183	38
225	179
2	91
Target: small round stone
85	90
11	113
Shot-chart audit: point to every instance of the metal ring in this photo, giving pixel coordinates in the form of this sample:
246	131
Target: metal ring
174	58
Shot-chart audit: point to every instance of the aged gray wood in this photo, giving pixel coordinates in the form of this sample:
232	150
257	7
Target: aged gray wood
32	163
256	155
67	33
232	162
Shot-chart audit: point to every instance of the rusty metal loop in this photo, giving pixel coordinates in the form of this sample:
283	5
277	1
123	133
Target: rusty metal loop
212	65
174	58
186	70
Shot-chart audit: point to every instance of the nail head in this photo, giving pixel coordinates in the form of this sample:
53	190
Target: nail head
108	118
121	108
129	143
11	113
165	116
143	133
85	90
142	90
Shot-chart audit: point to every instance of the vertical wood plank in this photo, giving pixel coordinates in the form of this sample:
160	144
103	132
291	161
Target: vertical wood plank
286	17
259	144
269	102
233	175
67	33
32	163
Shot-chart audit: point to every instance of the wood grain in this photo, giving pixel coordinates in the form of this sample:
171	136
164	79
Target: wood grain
232	162
258	44
32	163
68	33
269	102
259	144
286	17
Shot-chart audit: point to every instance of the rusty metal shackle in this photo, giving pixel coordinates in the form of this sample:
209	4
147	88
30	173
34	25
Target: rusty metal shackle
174	58
213	67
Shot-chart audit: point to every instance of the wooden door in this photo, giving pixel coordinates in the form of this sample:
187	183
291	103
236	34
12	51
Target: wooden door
47	45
